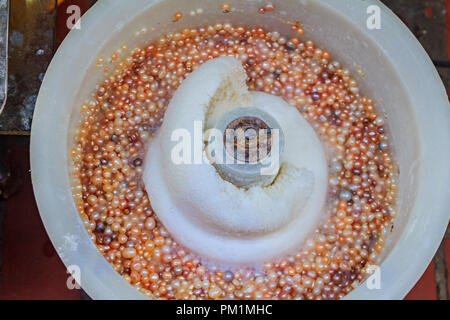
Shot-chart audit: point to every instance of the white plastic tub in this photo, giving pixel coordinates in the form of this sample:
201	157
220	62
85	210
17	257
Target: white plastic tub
398	75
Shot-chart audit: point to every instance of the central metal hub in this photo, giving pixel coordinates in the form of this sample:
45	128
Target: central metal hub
248	139
254	141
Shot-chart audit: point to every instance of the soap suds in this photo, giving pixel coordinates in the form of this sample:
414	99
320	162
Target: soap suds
212	216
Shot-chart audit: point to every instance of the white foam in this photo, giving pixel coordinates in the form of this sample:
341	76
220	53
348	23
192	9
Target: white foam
213	217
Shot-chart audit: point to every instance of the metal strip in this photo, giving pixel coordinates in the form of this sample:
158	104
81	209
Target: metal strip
4	23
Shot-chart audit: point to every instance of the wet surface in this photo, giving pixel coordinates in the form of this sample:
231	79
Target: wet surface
429	21
31	46
34	34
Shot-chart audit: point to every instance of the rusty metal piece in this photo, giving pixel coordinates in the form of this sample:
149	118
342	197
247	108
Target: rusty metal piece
4	23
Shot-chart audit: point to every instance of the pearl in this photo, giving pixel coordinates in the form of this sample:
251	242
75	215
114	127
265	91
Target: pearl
129	253
345	195
229	276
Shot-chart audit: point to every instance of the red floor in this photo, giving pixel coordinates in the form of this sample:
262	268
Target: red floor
425	289
447	255
31	268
